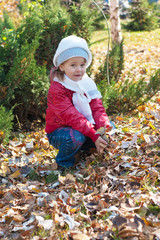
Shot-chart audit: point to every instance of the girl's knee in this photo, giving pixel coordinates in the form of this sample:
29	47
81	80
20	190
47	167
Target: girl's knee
77	139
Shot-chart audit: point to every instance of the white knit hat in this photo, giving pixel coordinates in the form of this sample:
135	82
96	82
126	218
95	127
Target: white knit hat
70	42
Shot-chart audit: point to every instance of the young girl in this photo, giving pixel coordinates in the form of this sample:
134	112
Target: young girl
75	109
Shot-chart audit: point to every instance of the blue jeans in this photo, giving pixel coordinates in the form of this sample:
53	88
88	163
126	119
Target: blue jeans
69	142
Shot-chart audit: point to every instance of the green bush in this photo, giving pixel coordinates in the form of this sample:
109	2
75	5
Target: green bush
6	22
122	97
28	84
27	52
116	61
8	50
154	85
81	21
56	26
6	122
52	24
113	69
8	45
143	18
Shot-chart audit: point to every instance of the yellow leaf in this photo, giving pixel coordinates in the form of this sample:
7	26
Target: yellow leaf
73	210
152	126
23	60
15	174
125	130
1	133
36	190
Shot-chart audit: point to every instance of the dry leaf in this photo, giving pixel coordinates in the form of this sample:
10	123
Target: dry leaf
16	174
79	236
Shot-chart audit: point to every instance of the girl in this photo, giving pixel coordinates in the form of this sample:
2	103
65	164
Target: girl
75	108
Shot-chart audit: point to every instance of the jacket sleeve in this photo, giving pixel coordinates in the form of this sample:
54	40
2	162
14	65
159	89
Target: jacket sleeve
63	108
99	114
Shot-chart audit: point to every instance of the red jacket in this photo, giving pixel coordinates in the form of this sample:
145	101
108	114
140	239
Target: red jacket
62	113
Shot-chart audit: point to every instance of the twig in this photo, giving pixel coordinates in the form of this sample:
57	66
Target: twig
107	58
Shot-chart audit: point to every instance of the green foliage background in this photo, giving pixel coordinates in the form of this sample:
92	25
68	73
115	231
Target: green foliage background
6	122
144	16
27	51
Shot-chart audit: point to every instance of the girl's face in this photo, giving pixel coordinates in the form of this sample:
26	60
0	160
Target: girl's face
74	68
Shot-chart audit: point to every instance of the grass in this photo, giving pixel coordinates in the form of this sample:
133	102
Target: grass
41	232
47	216
100	38
33	175
142	38
51	177
154	209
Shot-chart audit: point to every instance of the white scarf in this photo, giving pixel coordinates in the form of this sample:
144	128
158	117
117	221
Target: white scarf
85	90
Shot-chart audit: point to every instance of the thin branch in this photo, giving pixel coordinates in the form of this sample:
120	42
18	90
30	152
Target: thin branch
107	58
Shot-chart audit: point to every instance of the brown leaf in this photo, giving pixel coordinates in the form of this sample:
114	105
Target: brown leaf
18	218
119	220
79	236
8	196
16	174
128	232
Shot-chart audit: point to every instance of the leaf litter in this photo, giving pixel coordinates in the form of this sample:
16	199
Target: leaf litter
115	195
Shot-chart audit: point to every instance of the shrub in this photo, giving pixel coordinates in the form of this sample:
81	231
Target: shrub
56	26
82	20
8	50
116	61
30	27
6	22
114	69
8	45
28	84
6	123
122	97
142	17
52	24
154	85
27	52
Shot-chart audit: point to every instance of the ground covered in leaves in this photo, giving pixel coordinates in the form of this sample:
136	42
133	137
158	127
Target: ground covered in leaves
112	196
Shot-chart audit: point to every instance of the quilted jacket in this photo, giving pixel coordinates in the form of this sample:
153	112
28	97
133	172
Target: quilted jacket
62	113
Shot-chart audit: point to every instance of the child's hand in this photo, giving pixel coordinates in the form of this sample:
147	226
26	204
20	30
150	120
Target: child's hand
100	144
103	132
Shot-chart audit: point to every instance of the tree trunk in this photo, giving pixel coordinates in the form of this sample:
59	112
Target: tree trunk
115	21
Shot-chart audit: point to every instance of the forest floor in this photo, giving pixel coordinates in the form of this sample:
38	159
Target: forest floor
112	196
